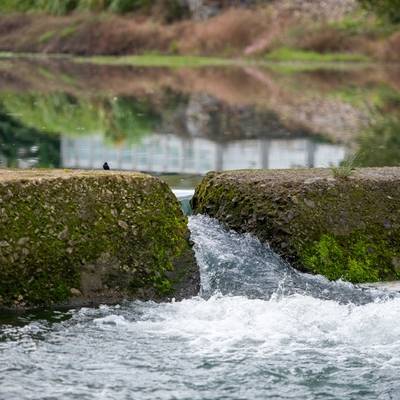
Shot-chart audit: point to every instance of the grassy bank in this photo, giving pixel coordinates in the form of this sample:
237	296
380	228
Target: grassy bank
277	60
284	54
167	9
263	33
159	60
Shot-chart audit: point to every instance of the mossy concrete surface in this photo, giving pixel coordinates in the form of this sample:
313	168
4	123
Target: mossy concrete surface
344	228
84	238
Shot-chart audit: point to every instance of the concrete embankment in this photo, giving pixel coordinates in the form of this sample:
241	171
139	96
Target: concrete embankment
340	227
84	238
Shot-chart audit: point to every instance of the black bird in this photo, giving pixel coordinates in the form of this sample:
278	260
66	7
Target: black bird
106	166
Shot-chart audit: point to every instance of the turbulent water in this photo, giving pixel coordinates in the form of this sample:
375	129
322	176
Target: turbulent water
258	330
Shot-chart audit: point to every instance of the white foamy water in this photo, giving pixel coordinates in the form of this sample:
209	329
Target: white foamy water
259	330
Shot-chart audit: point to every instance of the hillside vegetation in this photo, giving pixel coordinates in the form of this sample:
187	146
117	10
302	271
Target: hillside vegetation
171	8
386	9
299	30
165	10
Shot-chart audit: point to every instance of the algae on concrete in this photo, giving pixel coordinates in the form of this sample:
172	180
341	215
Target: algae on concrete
343	228
91	237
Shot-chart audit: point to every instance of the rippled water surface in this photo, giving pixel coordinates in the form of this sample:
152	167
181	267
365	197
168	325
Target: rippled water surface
184	122
258	330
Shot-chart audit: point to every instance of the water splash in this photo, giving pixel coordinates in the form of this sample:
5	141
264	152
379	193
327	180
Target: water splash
258	330
237	264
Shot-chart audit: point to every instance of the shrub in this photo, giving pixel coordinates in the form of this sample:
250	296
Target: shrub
392	50
124	6
386	9
94	5
380	143
57	7
170	10
17	138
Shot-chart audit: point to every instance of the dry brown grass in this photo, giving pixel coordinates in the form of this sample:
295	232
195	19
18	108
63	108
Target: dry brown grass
235	32
392	48
9	24
324	40
124	36
227	33
83	34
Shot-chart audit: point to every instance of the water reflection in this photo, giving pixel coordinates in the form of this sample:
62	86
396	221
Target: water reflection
25	147
169	153
187	122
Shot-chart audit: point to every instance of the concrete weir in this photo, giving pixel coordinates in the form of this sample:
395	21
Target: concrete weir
343	227
72	238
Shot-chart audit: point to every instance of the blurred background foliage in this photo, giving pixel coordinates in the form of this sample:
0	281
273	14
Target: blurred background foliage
172	8
118	119
379	144
19	141
387	9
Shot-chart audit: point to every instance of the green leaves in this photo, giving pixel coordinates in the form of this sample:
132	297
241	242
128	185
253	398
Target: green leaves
389	10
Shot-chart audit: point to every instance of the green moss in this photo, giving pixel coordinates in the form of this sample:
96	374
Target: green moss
341	258
51	229
340	228
164	286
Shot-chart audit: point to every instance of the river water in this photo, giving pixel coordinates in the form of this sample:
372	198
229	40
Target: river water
257	330
180	123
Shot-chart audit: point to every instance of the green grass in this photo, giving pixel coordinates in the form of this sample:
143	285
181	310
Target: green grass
157	60
46	73
377	96
67	79
33	56
296	67
4	54
289	65
346	168
363	23
68	31
285	54
179	61
46	36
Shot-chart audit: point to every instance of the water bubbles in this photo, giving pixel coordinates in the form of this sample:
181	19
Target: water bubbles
115	320
260	330
239	264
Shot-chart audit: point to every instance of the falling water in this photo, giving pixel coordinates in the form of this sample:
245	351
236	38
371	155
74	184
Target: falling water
258	330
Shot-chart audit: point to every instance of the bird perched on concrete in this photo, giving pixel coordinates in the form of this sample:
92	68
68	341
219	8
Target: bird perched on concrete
106	166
